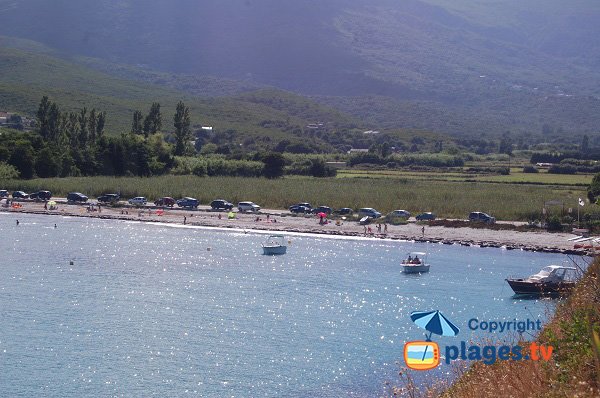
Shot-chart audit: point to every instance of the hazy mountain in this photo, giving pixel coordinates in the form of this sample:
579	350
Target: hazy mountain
463	55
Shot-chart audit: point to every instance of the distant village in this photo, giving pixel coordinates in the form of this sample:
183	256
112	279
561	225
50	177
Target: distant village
15	121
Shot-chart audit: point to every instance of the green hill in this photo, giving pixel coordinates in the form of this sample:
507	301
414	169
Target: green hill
26	76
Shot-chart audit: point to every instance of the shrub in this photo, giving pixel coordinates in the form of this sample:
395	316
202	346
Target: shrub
554	224
530	169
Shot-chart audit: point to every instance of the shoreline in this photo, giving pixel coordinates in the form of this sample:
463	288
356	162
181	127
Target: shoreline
538	241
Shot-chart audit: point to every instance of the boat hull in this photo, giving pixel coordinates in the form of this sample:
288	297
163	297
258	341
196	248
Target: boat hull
415	268
521	286
274	250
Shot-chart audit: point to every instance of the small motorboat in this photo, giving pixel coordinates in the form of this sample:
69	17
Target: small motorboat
551	280
415	265
274	245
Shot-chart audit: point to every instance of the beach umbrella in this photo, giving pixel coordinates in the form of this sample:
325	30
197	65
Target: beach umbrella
433	322
321	214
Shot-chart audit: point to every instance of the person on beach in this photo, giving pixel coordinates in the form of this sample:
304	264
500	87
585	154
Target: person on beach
370	230
423	231
385	228
365	229
45	205
184	220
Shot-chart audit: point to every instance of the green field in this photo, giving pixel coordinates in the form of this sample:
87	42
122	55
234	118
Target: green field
447	199
516	177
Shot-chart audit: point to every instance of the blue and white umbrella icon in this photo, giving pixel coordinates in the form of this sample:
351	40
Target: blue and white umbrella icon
433	322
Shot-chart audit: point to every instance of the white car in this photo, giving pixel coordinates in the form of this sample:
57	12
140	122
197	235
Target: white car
400	213
138	201
248	206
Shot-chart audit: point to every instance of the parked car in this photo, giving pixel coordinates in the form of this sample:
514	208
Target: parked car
3	193
188	203
303	204
425	216
221	204
477	216
344	211
41	195
138	201
400	213
76	197
300	209
165	201
248	206
20	195
109	198
369	212
322	209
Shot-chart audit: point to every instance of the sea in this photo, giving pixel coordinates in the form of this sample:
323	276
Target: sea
103	308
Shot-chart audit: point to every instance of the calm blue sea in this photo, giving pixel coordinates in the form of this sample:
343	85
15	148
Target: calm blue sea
173	311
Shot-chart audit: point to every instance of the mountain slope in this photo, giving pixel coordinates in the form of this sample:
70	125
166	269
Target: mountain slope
488	65
26	76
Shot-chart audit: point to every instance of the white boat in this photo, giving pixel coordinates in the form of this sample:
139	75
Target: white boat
274	245
415	263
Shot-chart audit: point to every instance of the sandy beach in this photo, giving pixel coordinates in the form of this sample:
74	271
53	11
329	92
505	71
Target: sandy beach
282	221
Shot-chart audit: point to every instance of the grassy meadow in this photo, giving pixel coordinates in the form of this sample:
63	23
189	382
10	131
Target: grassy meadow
445	198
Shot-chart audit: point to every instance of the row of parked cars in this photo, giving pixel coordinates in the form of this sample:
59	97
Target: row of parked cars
39	195
221	204
306	208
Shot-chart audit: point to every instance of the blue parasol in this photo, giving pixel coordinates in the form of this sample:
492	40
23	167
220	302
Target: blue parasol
433	322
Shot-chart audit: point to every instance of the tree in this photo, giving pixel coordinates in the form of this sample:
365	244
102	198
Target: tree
506	144
82	119
23	159
136	125
42	116
274	163
181	121
92	124
153	122
585	144
47	164
593	190
100	124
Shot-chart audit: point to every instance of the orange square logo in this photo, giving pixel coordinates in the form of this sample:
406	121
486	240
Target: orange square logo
421	355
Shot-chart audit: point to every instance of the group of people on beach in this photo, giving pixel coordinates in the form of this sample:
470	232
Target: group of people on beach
369	231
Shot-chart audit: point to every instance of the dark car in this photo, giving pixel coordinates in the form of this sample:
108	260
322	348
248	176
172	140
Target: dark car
221	204
425	216
41	195
3	193
303	204
344	211
165	201
20	195
189	203
109	198
76	197
299	209
322	209
477	216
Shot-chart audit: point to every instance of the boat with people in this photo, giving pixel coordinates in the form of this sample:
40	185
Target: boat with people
414	264
551	280
274	245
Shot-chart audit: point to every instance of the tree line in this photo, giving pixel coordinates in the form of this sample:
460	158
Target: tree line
67	143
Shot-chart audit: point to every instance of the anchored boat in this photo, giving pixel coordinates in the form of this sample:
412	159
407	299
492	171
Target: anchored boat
414	264
274	245
551	280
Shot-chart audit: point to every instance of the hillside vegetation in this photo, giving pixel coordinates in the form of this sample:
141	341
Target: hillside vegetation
463	67
27	76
